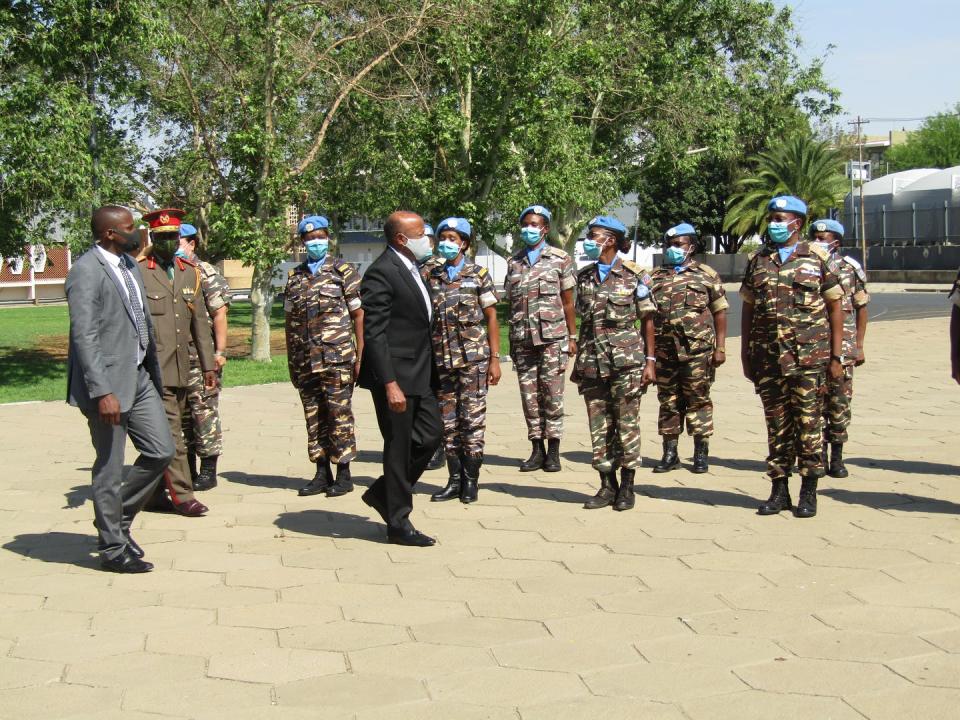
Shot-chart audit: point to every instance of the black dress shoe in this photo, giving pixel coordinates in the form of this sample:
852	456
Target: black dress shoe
371	500
411	537
134	547
126	562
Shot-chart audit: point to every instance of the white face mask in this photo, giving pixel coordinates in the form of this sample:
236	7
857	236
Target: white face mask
421	247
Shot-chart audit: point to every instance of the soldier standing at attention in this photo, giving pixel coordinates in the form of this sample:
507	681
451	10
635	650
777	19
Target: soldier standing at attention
691	328
202	430
323	315
792	327
539	287
466	350
180	317
836	407
435	260
612	368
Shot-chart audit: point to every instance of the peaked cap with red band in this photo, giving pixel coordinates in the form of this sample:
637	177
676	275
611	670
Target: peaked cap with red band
166	220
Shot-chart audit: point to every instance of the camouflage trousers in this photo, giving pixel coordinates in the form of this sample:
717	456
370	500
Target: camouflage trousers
462	397
793	409
327	398
683	389
836	407
201	422
540	370
613	410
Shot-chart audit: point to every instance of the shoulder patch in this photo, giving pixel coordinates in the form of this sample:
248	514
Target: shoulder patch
343	267
857	267
481	272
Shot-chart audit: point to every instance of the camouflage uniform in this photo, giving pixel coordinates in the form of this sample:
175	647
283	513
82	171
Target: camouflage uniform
610	359
686	340
538	335
789	347
462	354
201	424
839	393
321	353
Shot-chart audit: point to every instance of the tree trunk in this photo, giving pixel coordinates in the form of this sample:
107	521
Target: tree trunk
261	305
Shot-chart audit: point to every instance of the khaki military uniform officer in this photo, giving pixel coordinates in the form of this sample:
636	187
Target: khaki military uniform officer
175	302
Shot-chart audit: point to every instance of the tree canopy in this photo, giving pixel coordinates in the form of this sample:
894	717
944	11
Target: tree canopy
935	144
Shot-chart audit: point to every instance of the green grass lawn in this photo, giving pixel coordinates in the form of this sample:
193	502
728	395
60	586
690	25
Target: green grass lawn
33	349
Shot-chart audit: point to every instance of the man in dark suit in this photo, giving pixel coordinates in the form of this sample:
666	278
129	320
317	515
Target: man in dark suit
397	367
114	378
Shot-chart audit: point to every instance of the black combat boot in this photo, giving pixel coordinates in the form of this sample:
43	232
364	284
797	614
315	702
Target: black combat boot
552	461
344	482
807	503
436	462
779	498
471	479
670	458
192	462
321	480
537	456
837	468
607	492
701	449
452	490
625	497
207	477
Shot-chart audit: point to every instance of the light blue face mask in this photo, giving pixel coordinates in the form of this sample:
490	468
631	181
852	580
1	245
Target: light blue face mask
317	249
448	249
674	255
530	235
779	232
181	253
591	249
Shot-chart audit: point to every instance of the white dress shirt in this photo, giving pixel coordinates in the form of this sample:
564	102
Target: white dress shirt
114	263
418	279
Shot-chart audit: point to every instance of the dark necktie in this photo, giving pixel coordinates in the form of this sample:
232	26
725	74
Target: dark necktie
135	304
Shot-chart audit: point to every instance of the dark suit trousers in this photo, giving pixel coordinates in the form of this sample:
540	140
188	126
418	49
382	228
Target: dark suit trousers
409	441
116	500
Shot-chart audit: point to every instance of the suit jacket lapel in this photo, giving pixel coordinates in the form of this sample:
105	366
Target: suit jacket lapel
411	283
116	283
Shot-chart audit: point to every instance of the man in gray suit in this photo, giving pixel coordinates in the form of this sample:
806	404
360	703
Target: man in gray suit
114	378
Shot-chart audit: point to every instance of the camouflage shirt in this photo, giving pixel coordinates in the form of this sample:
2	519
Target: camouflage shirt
855	296
459	326
790	326
318	324
610	341
686	302
533	291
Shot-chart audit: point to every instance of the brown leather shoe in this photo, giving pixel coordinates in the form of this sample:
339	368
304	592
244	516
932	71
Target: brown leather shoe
192	508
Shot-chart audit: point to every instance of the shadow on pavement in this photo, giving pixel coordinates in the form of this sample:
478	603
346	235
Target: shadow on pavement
281	482
57	547
893	501
535	492
325	523
759	466
910	467
76	496
698	496
577	456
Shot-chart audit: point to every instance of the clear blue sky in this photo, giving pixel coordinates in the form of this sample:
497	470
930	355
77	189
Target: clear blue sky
891	59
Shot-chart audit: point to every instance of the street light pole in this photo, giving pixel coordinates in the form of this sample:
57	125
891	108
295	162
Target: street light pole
860	122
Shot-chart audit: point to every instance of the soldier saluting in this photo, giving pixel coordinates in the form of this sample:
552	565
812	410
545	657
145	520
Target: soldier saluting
179	313
791	331
323	314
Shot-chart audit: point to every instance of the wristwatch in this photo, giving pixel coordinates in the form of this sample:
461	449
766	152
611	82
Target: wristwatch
838	358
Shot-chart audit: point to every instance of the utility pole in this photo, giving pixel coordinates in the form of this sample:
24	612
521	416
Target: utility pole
860	122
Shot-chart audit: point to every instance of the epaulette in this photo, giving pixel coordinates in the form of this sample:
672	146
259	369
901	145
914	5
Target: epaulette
551	250
142	258
634	268
708	270
481	272
342	267
586	269
186	261
291	271
857	267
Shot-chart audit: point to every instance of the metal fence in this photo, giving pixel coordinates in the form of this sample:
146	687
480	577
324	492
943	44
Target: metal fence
903	227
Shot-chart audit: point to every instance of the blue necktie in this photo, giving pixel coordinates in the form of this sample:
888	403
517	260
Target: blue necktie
135	304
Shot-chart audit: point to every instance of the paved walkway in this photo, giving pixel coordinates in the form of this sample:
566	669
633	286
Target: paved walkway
690	606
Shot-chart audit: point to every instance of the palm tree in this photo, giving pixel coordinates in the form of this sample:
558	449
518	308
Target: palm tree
802	166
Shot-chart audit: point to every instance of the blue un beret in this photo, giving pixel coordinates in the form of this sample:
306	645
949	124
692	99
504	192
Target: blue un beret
678	230
187	230
608	222
460	225
536	210
788	203
428	230
311	223
826	224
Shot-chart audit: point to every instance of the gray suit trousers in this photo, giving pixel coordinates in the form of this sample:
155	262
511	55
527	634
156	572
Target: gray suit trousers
117	500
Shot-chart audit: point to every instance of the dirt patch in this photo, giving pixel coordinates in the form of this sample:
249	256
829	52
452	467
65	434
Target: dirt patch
238	344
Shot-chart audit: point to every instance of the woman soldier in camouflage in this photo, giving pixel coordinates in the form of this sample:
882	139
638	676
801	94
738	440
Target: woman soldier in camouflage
466	348
612	369
691	328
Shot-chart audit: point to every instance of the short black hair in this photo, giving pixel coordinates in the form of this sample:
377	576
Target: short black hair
105	218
